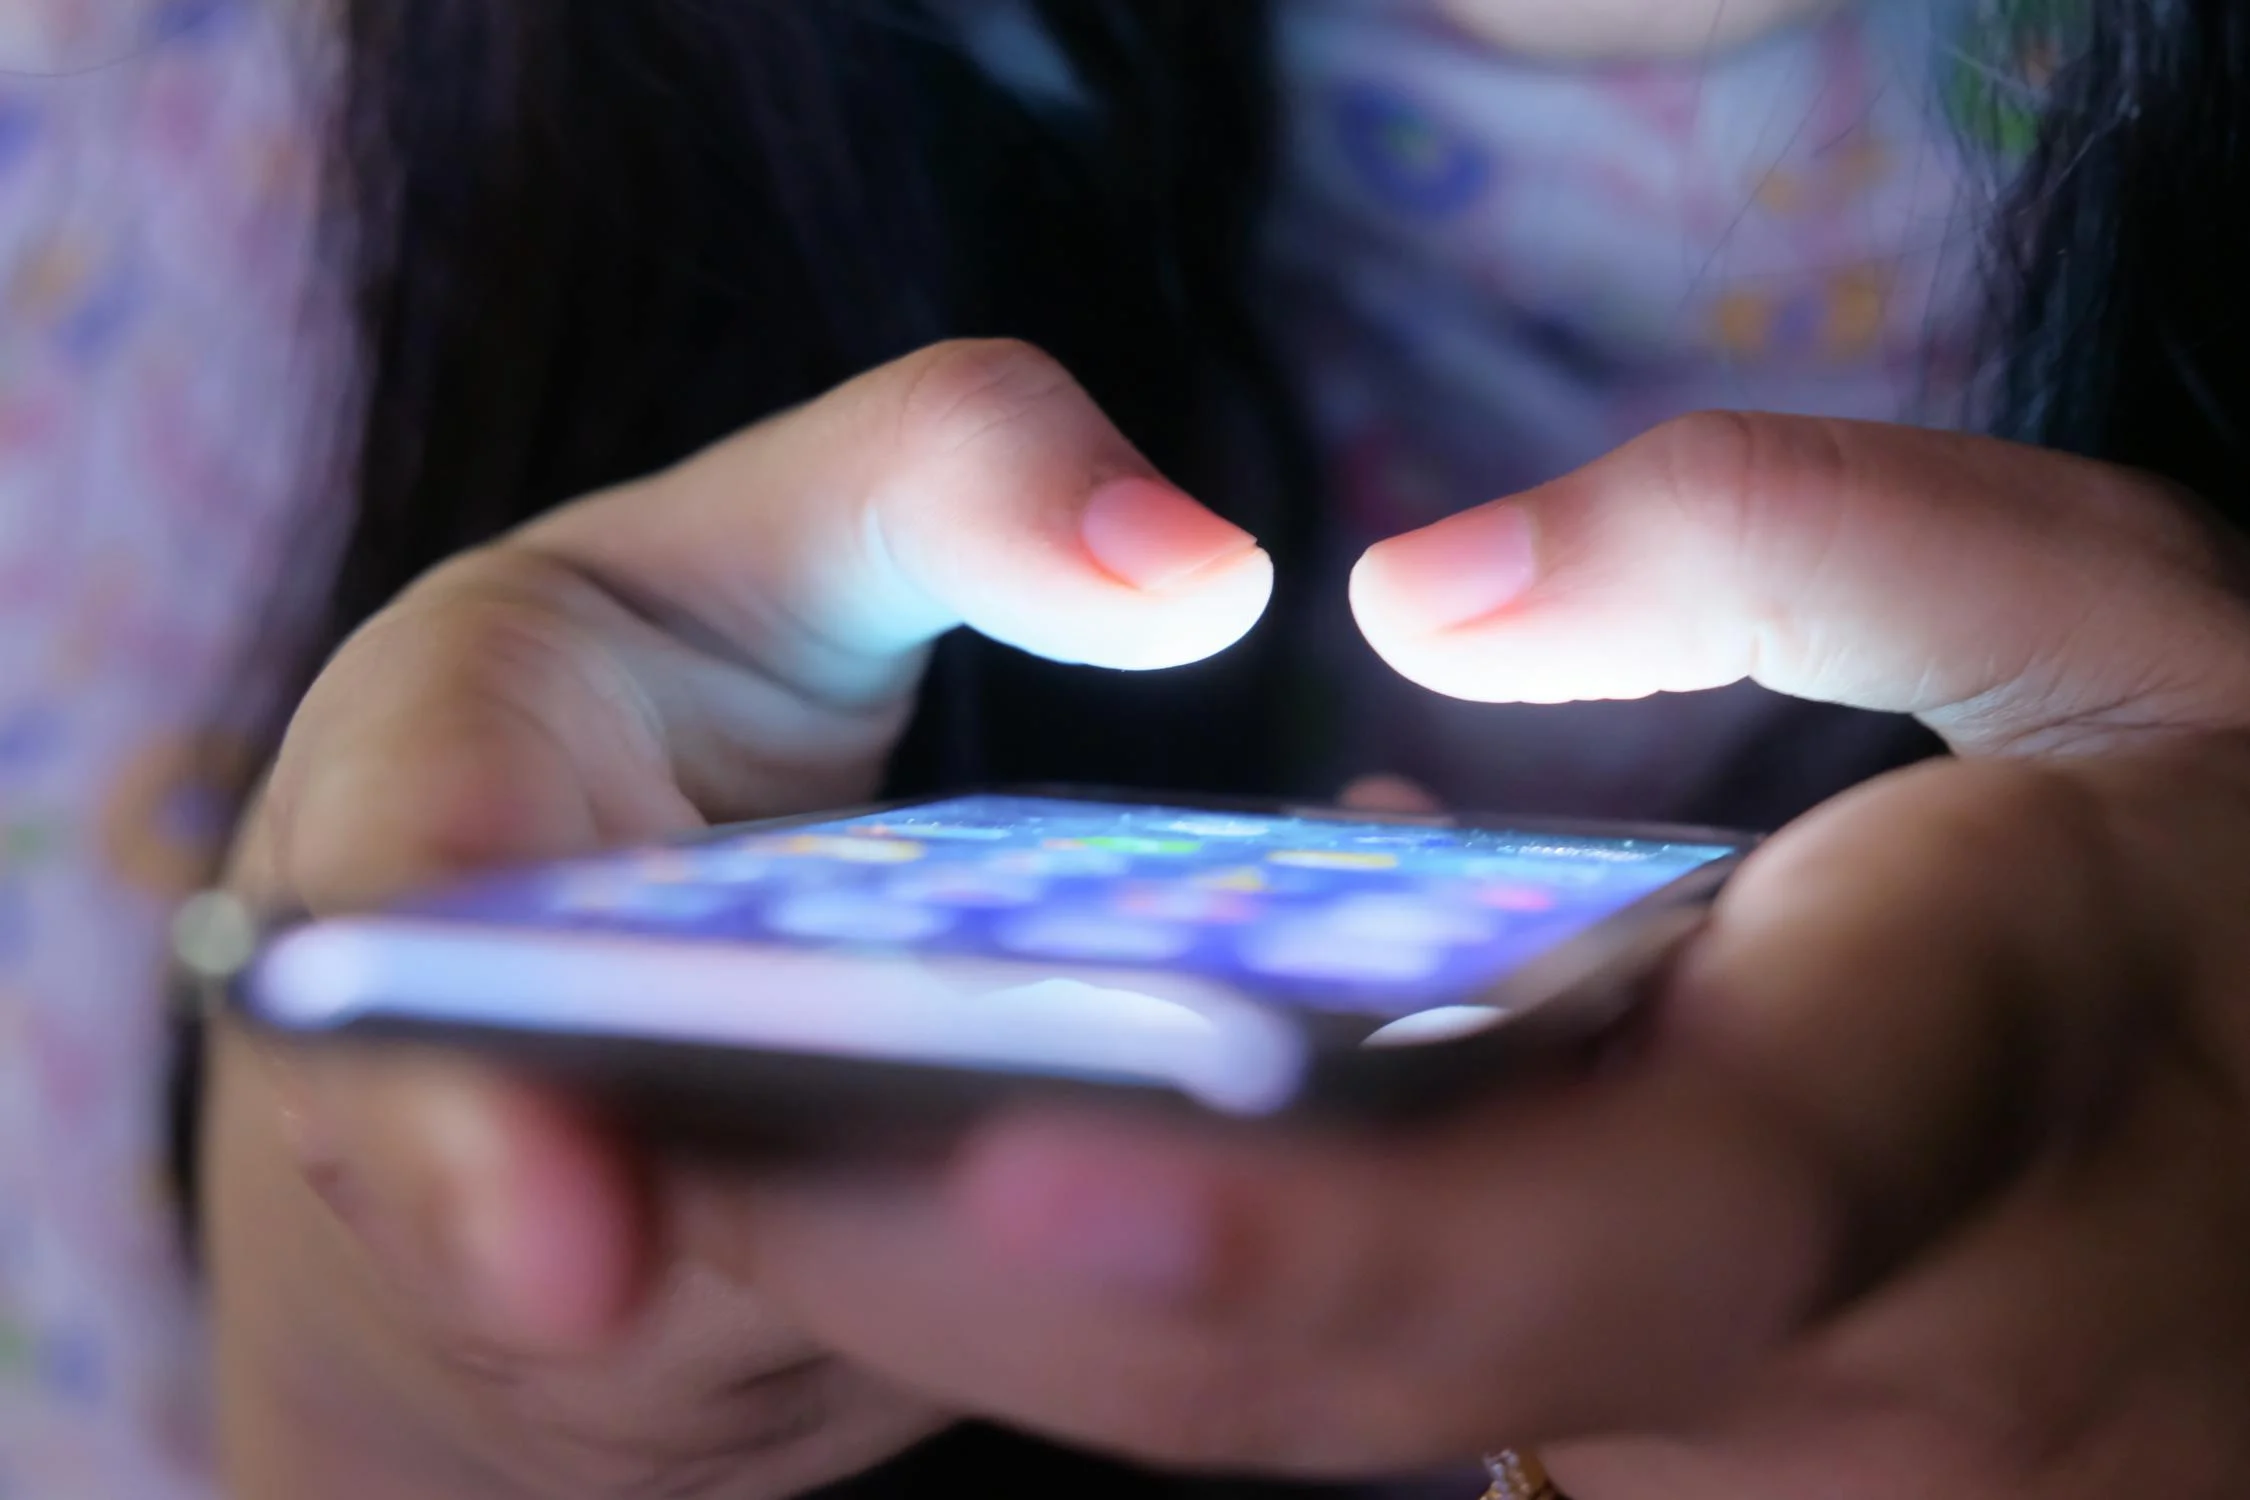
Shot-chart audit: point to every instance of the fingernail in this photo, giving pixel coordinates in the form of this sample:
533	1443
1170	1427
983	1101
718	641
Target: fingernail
1153	537
1460	570
1121	1229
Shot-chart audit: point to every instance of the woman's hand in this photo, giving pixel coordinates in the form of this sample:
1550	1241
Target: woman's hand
435	1281
1931	1174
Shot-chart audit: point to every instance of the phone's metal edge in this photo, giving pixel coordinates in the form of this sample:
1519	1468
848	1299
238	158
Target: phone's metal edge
1482	819
1527	997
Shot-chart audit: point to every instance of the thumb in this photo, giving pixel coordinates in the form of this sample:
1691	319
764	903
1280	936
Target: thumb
741	634
2014	599
970	483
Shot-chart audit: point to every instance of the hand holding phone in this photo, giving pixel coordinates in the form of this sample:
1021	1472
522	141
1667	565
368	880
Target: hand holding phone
716	641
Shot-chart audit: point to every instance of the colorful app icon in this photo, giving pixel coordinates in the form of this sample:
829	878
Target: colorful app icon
1511	896
1095	935
855	917
857	851
1333	859
1123	844
1192	902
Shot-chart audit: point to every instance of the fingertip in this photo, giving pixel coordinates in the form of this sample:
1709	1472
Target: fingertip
1458	572
493	1204
1389	794
1431	660
1204	581
1149	535
552	1229
1223	604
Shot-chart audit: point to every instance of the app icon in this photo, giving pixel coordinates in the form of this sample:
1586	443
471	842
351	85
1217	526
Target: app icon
1193	902
966	885
1095	935
857	851
1121	844
1416	920
1510	896
1315	950
1248	880
1333	859
855	917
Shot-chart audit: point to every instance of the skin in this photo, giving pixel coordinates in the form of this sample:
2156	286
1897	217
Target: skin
1926	1177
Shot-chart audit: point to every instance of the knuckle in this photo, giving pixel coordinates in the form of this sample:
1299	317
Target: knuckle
1762	504
492	684
956	394
1751	478
1705	458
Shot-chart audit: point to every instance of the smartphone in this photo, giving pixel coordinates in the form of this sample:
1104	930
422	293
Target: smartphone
899	962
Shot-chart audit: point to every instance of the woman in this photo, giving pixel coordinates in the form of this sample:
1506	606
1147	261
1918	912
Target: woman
1955	1054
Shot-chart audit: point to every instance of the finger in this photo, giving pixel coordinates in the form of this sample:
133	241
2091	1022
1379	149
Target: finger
1389	794
2012	598
972	483
741	635
501	1214
1867	1039
369	1322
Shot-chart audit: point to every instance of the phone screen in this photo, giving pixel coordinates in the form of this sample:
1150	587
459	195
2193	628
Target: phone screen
1383	918
1201	950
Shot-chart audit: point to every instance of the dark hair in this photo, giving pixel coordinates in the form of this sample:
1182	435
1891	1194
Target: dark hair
588	236
2120	326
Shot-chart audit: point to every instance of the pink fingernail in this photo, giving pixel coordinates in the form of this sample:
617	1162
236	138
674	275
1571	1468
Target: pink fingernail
1460	570
1151	536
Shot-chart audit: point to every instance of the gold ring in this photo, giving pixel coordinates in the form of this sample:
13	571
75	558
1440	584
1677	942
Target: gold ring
1519	1476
